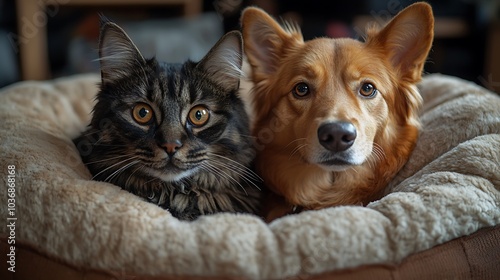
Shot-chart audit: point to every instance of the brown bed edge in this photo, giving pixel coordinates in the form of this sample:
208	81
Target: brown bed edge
476	256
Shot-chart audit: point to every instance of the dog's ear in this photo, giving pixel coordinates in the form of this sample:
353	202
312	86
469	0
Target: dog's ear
406	40
265	40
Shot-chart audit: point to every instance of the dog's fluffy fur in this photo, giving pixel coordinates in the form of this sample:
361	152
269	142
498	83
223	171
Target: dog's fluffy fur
334	75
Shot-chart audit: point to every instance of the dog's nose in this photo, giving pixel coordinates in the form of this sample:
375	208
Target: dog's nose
337	136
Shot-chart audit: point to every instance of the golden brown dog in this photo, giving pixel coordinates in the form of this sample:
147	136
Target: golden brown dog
335	119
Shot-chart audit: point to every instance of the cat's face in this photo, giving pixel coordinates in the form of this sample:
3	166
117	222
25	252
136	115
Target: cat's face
168	121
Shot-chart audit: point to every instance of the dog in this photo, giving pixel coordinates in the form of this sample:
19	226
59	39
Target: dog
334	119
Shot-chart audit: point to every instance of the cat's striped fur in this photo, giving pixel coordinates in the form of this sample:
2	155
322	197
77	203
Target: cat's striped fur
188	169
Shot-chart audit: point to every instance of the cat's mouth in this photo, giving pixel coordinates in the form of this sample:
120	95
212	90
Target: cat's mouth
170	174
171	171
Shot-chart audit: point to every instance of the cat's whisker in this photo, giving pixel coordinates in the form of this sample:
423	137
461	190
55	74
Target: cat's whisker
120	170
90	132
244	172
246	178
206	169
107	159
152	180
211	169
113	165
247	171
109	145
98	142
225	175
130	176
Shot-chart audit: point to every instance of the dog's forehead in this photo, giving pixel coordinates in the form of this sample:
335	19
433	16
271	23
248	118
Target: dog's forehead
342	57
325	53
328	50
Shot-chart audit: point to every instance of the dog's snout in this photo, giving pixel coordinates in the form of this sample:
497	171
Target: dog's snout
337	136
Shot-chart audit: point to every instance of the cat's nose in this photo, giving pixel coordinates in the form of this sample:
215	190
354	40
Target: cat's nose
171	147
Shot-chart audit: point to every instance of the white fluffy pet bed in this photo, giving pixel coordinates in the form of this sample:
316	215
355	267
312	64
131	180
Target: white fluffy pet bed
450	188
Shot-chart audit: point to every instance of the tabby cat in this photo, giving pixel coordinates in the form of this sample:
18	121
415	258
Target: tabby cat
176	135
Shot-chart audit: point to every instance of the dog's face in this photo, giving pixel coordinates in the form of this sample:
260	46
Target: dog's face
333	96
333	106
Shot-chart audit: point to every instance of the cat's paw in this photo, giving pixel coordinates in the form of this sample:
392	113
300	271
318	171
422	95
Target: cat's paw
185	215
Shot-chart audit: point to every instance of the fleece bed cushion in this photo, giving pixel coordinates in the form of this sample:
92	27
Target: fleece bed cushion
449	188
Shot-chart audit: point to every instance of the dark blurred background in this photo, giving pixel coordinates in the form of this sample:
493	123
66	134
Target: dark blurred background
43	39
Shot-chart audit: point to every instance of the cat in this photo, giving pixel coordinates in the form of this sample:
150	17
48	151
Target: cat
176	135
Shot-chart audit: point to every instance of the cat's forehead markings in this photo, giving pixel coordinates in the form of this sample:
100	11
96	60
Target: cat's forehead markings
154	91
179	86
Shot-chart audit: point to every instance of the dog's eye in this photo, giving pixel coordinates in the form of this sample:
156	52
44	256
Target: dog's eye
367	90
300	90
142	113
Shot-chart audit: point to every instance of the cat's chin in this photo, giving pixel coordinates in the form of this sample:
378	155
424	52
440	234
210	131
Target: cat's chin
170	176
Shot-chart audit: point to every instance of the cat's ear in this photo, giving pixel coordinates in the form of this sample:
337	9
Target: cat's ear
117	53
223	62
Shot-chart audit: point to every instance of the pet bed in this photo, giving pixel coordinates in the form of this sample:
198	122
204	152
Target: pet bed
69	227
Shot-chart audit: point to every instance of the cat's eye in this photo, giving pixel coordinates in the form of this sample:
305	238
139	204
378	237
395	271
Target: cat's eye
300	90
367	90
142	113
199	115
